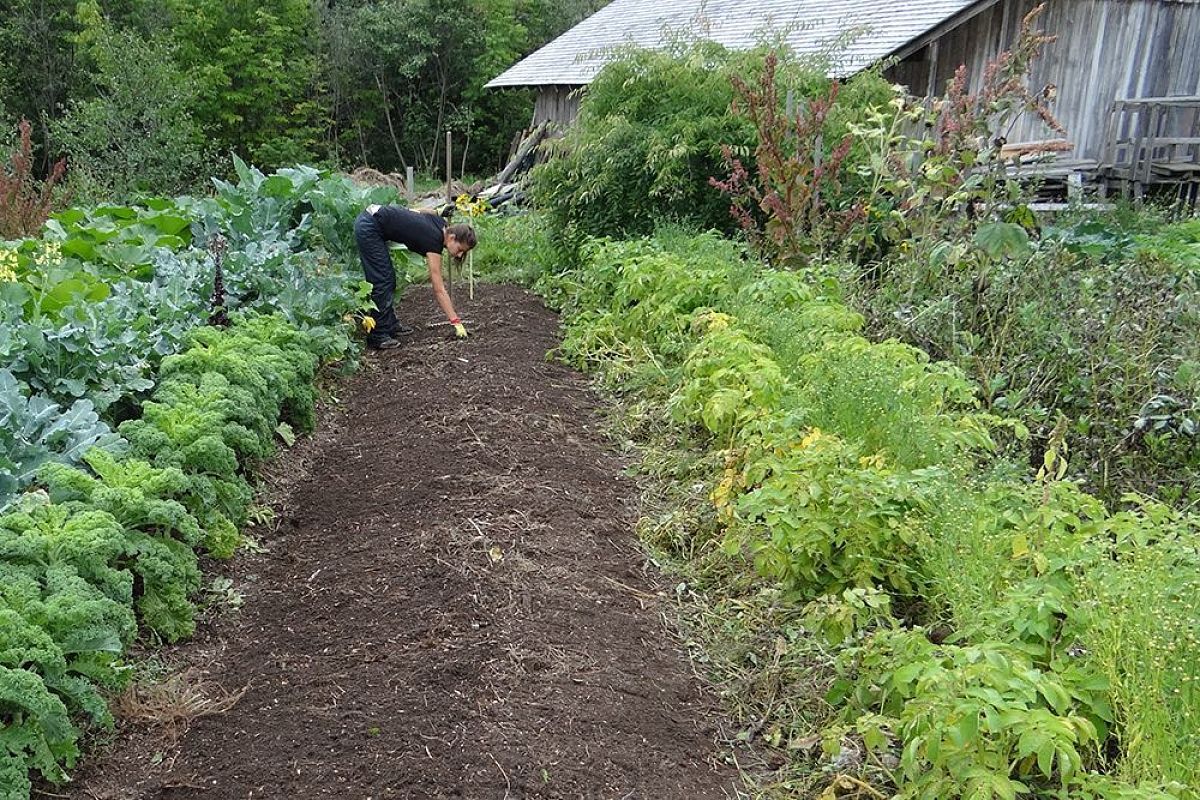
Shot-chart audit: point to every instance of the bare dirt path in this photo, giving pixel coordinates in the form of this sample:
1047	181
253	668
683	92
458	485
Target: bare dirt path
452	606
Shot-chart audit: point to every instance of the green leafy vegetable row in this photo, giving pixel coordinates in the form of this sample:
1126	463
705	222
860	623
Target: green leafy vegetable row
995	634
114	545
89	308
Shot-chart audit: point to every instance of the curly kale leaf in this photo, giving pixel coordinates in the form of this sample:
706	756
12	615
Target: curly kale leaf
38	732
24	645
14	770
264	355
57	623
169	575
136	494
236	411
92	542
221	536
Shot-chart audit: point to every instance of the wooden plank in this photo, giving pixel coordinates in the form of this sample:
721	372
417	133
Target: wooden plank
940	30
1110	136
1161	101
931	87
1181	168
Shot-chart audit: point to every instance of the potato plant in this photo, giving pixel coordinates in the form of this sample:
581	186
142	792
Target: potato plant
983	616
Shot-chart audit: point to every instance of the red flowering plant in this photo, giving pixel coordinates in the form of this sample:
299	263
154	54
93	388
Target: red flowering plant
915	165
789	206
25	200
939	164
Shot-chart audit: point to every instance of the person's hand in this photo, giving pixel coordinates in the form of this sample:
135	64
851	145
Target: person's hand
460	330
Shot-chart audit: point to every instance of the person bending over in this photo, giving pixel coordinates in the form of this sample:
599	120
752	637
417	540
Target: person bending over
425	234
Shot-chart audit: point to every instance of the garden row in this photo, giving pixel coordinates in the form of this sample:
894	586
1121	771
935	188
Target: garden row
844	414
976	631
90	307
139	425
116	545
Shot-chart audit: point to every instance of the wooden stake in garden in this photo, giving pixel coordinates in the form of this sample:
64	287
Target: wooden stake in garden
218	316
449	199
449	164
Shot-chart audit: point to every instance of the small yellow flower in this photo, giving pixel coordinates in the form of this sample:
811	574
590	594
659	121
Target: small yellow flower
368	324
471	208
8	265
47	254
812	438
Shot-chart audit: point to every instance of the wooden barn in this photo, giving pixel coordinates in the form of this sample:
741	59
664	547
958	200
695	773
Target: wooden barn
1126	73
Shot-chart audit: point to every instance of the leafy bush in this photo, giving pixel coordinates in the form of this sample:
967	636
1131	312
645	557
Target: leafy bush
647	140
973	721
639	297
821	517
253	74
137	134
1119	359
728	380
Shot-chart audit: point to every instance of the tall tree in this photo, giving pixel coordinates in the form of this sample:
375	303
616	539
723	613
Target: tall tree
37	57
136	133
396	68
402	72
255	65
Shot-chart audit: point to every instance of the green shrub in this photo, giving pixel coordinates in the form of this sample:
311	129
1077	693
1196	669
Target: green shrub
144	104
639	296
821	516
647	140
728	380
1082	325
1082	591
973	721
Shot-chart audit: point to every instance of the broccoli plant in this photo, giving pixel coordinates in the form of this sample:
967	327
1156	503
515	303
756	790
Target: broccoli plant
35	430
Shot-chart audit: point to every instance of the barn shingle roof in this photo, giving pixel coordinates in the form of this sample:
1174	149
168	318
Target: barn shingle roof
809	26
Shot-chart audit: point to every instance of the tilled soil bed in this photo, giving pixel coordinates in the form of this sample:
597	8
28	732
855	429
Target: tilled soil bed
450	604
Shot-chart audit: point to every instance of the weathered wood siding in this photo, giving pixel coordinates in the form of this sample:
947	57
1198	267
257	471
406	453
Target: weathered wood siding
1106	49
557	104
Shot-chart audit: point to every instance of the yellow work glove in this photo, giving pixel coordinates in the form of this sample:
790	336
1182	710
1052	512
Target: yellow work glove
460	330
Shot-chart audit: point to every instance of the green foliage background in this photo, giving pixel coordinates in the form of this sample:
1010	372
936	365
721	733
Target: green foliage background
653	132
276	82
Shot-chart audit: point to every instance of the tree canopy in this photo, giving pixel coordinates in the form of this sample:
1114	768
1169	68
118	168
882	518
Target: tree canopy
146	91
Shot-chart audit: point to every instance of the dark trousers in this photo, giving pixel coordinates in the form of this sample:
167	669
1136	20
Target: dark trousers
380	273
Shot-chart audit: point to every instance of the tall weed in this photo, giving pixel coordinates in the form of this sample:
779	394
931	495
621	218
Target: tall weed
26	201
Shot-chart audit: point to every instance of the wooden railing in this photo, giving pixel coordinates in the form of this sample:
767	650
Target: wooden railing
1153	140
